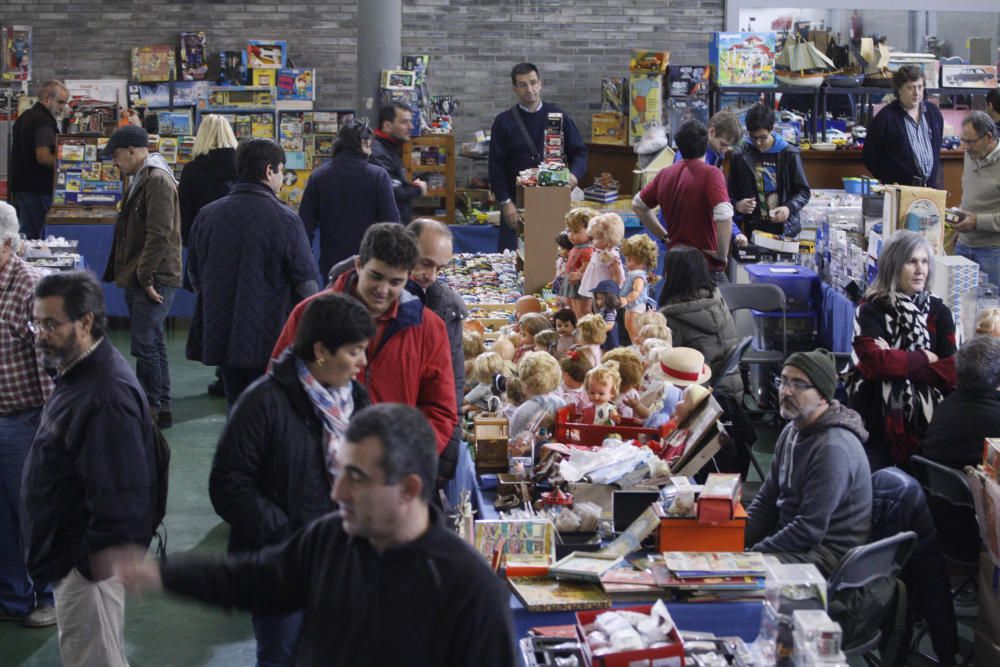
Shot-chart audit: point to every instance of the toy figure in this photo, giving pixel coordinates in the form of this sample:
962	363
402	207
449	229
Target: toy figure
606	304
565	322
677	368
563	245
575	366
546	341
606	232
630	370
640	259
591	332
539	374
485	367
602	385
578	258
530	325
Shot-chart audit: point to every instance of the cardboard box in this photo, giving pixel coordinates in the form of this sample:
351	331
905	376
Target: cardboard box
397	79
608	127
968	76
719	498
491	437
683	109
917	210
691	535
774	242
645	109
931	68
684	80
742	58
991	458
649	61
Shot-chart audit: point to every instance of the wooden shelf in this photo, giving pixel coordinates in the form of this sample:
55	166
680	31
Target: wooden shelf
445	144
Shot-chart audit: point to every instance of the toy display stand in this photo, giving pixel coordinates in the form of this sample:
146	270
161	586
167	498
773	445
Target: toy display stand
441	201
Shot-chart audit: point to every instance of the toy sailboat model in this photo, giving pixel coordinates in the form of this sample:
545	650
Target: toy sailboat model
874	57
800	63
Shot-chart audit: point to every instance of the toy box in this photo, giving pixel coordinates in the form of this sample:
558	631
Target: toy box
17	53
684	80
692	535
682	109
194	67
296	84
742	58
608	127
153	63
266	54
915	209
649	61
645	104
398	79
968	76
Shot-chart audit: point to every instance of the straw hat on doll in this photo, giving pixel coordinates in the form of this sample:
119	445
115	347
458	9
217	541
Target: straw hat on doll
682	367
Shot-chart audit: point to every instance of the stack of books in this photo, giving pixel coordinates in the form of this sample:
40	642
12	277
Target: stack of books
704	577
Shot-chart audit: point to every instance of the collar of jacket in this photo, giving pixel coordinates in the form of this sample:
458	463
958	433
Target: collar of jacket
388	138
411	308
95	355
253	187
347	154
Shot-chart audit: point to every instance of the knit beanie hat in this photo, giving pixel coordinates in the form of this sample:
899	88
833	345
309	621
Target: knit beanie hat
820	367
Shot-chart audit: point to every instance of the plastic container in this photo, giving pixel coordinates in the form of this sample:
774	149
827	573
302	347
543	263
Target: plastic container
857	185
800	285
767	330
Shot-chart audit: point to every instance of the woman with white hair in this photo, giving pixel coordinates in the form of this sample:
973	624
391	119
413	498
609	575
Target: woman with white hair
212	171
904	352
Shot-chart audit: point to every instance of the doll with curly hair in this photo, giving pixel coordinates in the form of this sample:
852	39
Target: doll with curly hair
603	383
591	332
540	375
530	324
606	231
485	367
640	255
575	366
578	258
630	371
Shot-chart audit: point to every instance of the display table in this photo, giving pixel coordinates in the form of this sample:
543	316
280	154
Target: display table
475	238
724	619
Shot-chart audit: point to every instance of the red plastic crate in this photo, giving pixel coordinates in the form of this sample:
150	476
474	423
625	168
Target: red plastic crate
592	435
643	658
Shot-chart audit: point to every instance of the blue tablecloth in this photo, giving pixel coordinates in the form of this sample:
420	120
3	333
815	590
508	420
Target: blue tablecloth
728	619
95	246
475	238
836	320
465	480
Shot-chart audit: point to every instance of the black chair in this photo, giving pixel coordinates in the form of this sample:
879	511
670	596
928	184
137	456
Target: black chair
765	298
866	565
730	364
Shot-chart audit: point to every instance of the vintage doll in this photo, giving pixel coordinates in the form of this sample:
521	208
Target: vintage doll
651	317
486	366
565	321
574	367
606	232
649	345
578	258
602	385
507	348
472	346
640	256
530	325
630	371
564	245
989	322
539	373
606	304
546	341
677	368
591	332
513	397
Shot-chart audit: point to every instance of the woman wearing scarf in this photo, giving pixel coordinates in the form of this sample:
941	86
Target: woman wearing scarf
904	352
270	473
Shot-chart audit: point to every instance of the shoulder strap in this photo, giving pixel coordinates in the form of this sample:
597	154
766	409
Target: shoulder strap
536	154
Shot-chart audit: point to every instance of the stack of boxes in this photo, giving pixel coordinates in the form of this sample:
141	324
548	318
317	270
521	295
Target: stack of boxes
554	157
953	277
688	95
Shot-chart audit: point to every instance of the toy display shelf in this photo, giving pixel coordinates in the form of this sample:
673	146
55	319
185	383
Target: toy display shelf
440	198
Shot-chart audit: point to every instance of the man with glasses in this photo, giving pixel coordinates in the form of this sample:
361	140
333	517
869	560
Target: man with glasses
33	157
979	224
24	386
767	184
816	502
90	478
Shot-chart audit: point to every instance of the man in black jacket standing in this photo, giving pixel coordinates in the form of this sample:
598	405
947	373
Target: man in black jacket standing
89	480
381	582
395	122
33	157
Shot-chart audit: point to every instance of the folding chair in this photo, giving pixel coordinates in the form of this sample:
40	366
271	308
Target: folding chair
765	298
729	365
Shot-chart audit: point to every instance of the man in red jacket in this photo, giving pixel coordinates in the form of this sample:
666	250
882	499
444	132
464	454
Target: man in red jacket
409	357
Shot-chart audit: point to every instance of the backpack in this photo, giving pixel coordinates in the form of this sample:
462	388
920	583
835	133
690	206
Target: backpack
161	458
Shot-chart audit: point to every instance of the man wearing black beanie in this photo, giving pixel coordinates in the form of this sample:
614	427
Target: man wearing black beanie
816	502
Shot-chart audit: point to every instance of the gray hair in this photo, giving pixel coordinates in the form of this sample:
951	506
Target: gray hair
9	227
978	364
981	123
50	88
894	257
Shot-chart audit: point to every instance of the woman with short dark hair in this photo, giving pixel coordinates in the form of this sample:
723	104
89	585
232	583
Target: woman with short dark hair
271	473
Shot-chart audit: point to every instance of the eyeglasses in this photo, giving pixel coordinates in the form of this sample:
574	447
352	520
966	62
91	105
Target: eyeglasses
969	142
794	386
759	139
48	326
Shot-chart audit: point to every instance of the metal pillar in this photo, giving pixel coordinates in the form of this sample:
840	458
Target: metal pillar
380	28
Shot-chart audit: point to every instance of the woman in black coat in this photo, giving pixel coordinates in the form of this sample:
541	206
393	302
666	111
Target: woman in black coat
212	172
272	469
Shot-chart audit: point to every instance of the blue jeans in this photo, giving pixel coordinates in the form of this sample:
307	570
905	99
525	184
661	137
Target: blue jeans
18	595
31	209
988	259
148	345
277	638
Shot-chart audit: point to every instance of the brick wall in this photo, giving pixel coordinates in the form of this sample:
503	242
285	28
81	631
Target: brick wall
473	43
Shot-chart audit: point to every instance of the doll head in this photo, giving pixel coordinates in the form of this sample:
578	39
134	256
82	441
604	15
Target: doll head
546	341
527	304
532	324
651	317
603	383
472	345
629	367
650	344
539	373
565	321
989	322
563	243
505	348
486	366
576	224
591	330
515	392
576	364
639	252
607	231
654	331
607	295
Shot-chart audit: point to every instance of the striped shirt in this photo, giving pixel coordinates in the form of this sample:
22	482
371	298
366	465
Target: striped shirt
24	384
919	135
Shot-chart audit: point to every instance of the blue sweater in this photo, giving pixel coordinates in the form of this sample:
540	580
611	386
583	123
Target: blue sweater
344	197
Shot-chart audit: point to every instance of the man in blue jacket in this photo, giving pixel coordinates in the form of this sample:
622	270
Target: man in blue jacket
90	478
516	144
249	263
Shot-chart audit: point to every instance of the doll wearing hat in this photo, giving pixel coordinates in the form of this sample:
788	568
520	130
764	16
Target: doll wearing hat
602	383
677	368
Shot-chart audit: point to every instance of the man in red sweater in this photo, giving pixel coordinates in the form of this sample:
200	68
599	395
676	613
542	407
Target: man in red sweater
409	357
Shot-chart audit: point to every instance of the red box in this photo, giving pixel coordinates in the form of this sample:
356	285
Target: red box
692	535
643	658
592	435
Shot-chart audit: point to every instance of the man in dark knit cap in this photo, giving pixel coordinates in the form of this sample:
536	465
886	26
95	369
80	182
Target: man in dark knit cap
816	502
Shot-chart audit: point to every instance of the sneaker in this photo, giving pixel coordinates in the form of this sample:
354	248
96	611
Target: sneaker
164	418
41	616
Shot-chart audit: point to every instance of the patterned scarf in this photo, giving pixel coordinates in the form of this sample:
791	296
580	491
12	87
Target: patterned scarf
333	404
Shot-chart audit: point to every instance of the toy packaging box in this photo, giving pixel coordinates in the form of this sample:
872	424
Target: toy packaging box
17	54
645	104
742	58
296	84
266	54
968	76
614	92
232	68
915	209
684	80
608	127
649	61
153	63
194	67
682	109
